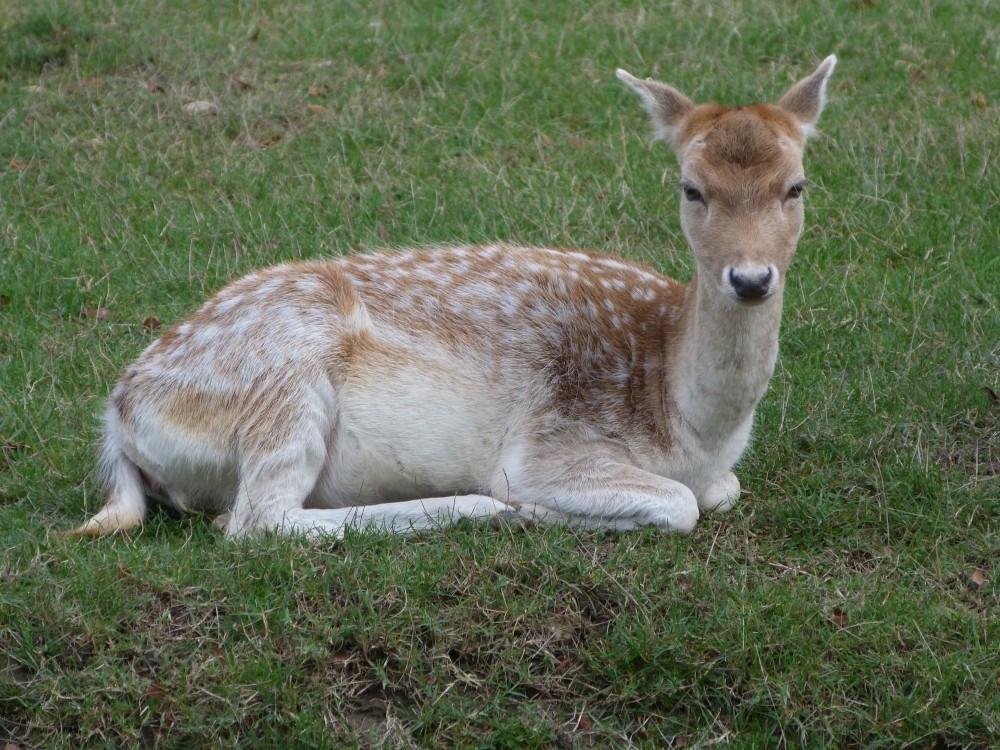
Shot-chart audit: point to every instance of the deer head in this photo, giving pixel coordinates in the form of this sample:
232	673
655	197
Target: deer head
741	181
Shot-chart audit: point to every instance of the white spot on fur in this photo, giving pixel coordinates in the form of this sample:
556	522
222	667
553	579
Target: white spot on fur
269	287
482	290
235	301
178	352
308	286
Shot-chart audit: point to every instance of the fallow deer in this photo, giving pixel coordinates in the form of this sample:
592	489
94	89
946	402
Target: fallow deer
409	389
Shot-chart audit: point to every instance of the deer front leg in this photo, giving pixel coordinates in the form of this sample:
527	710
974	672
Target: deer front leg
721	494
598	490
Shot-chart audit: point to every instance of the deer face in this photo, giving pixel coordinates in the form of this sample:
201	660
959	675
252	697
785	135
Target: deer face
741	206
741	181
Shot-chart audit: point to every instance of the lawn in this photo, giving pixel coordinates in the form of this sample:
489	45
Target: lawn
850	600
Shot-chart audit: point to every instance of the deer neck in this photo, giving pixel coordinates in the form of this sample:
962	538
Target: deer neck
724	357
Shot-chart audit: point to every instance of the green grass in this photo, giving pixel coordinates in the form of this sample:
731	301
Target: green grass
831	608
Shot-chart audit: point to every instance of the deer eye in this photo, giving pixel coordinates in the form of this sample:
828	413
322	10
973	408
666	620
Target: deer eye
795	191
692	193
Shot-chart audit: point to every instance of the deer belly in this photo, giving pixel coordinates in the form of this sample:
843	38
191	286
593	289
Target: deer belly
409	440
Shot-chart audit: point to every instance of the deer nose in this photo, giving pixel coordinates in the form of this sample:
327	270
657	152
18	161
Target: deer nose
751	285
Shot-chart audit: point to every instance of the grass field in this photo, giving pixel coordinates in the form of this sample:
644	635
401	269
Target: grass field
850	600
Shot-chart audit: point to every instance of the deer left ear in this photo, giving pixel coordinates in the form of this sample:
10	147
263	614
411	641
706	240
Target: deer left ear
805	99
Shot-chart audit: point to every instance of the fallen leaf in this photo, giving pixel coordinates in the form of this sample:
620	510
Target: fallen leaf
546	140
150	324
979	99
17	164
155	691
680	740
992	395
341	658
318	91
317	109
9	446
201	107
155	88
91	81
95	313
269	140
88	240
917	74
977	580
238	83
839	617
584	724
382	231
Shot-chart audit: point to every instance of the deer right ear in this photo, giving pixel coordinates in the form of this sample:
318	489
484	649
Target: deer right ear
666	105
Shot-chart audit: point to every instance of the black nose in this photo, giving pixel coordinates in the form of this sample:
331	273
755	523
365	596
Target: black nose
750	287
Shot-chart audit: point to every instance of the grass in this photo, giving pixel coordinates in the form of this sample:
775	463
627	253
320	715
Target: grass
838	605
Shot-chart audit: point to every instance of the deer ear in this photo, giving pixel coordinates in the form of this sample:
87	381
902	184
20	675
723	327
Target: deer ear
666	105
805	99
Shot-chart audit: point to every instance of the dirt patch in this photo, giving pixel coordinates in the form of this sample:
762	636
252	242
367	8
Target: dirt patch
972	444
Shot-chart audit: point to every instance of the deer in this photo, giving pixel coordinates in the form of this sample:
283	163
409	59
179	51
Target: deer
408	389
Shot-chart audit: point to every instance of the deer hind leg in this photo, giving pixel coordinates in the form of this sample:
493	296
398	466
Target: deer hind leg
402	517
274	489
599	489
721	494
